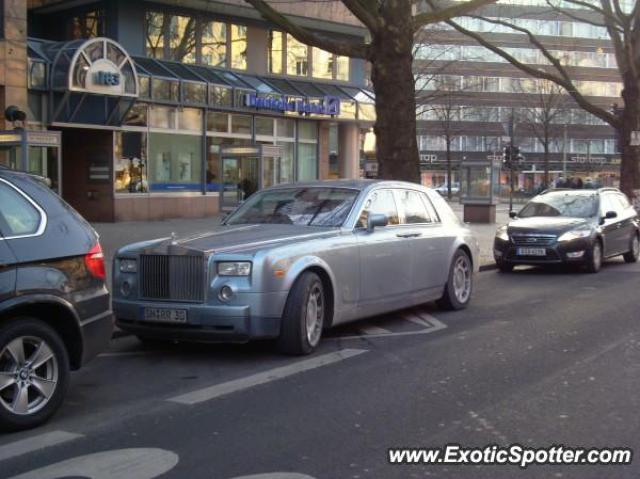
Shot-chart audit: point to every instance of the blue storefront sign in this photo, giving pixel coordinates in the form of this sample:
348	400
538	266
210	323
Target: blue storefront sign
329	105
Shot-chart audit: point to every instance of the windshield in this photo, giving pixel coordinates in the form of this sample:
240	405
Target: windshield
561	204
315	206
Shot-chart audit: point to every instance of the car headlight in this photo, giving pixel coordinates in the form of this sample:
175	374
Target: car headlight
234	268
575	234
128	266
502	234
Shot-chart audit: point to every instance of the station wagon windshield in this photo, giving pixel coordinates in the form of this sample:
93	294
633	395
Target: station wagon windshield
297	206
561	204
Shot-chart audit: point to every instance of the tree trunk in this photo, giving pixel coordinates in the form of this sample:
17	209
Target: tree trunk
448	140
393	82
630	163
546	163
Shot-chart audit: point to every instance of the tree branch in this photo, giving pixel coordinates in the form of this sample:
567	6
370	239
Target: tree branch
352	48
439	15
363	13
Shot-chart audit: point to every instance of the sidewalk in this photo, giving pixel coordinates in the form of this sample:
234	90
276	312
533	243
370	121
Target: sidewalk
115	235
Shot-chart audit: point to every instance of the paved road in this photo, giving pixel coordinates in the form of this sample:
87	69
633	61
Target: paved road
540	358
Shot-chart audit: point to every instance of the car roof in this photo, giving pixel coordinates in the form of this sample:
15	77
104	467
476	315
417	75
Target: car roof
581	190
357	184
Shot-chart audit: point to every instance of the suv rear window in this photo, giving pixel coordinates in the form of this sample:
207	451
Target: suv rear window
18	217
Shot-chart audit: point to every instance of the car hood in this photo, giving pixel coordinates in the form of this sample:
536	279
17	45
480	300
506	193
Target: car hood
232	239
546	224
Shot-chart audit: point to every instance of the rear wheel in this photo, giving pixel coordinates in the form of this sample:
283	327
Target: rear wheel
634	250
34	373
303	318
594	258
457	292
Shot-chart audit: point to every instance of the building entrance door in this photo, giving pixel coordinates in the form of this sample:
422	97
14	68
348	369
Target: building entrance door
247	169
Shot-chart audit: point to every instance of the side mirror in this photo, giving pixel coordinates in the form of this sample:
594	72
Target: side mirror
376	220
610	215
512	214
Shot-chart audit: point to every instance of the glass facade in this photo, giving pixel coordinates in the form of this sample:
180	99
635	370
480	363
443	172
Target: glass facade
175	162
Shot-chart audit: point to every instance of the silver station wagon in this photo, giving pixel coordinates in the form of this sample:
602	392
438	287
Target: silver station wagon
296	259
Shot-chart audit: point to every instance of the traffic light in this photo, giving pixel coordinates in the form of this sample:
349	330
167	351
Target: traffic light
511	156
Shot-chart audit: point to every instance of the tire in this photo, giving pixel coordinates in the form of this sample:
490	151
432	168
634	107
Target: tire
452	299
304	316
634	250
38	340
594	258
504	267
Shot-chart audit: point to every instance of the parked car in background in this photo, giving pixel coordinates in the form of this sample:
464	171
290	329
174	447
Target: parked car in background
294	260
55	312
444	190
581	227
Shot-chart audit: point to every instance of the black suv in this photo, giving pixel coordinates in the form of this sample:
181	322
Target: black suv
55	311
572	227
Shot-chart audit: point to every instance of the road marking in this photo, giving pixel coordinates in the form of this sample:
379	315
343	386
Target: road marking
117	464
429	323
35	443
371	329
218	390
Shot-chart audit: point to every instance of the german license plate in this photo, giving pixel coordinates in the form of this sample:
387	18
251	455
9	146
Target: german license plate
164	315
532	252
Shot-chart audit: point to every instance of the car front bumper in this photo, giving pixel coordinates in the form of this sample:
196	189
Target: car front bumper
205	322
569	252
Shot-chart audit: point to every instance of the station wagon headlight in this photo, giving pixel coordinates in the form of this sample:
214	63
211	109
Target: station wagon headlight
234	268
575	234
128	266
502	234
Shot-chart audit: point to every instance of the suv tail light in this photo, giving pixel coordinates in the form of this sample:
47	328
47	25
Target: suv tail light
94	261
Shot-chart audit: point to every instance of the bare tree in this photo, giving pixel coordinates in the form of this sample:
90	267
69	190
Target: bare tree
545	106
391	25
624	30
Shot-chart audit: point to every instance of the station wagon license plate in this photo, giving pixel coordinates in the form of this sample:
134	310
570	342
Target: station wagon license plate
532	252
164	315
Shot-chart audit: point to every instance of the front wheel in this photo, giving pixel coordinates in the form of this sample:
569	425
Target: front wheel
34	373
634	250
594	258
504	267
304	316
457	292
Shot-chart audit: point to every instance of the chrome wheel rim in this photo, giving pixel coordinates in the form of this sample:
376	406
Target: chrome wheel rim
28	375
462	279
597	256
314	314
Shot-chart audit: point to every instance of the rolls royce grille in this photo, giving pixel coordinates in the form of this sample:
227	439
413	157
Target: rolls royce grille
172	278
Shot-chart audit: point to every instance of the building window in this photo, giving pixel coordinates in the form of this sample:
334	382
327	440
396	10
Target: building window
342	68
87	25
239	47
297	57
214	44
322	64
155	28
131	162
175	162
276	52
182	39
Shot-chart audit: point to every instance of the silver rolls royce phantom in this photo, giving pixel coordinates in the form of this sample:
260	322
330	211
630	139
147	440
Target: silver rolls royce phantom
296	259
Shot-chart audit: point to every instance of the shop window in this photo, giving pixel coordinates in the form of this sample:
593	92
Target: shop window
194	92
264	126
189	119
137	115
87	25
297	57
175	162
307	162
241	124
217	122
286	161
322	64
164	90
276	50
214	44
342	68
220	96
239	47
308	130
285	128
131	162
162	117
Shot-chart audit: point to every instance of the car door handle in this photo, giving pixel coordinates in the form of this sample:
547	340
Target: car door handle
408	235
